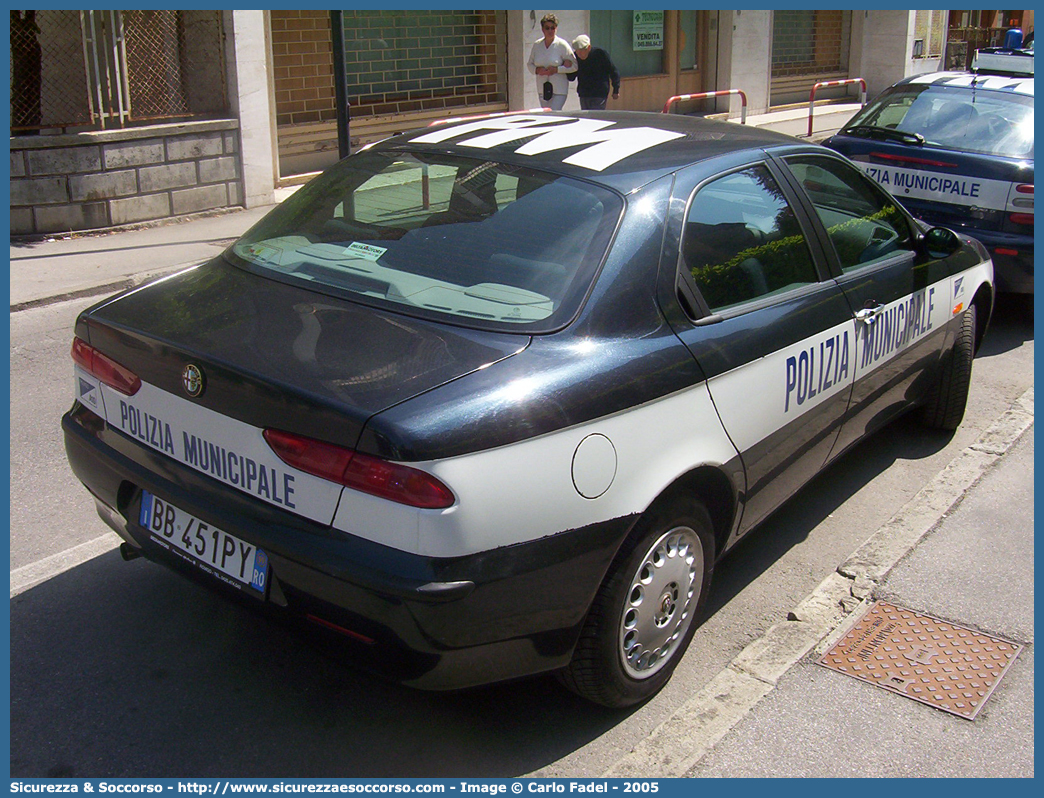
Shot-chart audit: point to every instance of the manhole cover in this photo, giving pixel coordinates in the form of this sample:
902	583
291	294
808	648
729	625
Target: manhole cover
937	663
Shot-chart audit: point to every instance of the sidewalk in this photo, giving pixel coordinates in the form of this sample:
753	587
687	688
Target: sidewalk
975	570
84	265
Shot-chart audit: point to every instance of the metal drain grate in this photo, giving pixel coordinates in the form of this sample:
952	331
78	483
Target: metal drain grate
946	666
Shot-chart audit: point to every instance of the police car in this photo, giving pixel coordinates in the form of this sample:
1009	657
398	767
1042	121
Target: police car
956	148
493	398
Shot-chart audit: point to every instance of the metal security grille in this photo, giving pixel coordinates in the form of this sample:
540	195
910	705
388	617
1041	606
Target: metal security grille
964	41
48	81
404	61
810	43
155	43
808	47
103	69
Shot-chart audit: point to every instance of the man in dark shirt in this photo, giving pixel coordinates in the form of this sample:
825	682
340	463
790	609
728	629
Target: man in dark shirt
594	72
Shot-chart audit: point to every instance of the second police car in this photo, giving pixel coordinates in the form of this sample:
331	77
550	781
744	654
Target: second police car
494	397
956	148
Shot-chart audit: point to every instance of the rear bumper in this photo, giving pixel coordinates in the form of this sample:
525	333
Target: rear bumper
1012	253
1012	273
1012	260
428	622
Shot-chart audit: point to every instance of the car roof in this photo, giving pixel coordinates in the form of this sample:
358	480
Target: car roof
971	80
619	149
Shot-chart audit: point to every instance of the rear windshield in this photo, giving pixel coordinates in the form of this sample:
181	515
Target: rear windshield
474	242
958	118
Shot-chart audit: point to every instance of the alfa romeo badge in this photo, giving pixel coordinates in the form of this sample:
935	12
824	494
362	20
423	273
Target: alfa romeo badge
192	380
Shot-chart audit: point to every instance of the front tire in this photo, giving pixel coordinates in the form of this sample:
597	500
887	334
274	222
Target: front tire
948	397
645	613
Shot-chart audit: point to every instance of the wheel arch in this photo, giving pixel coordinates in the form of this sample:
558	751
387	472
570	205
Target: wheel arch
712	486
983	302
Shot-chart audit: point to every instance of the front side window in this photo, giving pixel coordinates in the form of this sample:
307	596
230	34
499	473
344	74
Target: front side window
864	225
954	117
487	244
742	241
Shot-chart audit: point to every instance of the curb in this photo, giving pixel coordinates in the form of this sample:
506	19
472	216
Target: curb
150	224
97	290
680	742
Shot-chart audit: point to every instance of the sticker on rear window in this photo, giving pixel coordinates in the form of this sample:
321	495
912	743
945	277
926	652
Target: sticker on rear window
364	251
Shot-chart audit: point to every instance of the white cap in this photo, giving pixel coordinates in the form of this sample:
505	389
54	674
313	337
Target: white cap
582	42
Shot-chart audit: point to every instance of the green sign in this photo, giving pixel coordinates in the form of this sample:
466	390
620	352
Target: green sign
647	30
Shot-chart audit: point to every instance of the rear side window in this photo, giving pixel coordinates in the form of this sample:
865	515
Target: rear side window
742	240
481	243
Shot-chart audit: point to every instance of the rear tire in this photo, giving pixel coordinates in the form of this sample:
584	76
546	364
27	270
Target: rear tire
948	397
647	609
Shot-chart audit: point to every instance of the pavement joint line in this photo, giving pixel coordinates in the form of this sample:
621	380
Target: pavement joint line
31	575
677	745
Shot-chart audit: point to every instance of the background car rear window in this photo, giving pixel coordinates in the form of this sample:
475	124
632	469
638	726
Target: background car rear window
743	242
489	244
864	225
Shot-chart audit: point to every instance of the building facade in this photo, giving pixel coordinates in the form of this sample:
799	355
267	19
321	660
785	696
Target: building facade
125	117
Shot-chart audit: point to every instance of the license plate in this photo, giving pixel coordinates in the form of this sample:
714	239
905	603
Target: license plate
224	556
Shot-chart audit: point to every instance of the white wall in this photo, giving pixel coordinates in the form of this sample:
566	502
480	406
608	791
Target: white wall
250	97
882	53
745	56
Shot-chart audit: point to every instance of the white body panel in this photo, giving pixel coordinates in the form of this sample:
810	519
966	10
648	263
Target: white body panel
226	449
937	187
993	82
525	491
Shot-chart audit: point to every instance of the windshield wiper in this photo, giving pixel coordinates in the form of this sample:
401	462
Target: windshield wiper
873	132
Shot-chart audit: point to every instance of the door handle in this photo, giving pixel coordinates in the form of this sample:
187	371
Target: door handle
868	315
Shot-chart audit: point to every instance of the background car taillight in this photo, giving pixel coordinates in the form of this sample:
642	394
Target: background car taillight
392	481
117	377
1023	199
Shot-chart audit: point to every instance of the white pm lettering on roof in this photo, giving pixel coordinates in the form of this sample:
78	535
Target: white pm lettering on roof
607	145
994	83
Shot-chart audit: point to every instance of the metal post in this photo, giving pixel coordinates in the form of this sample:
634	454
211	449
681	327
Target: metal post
344	115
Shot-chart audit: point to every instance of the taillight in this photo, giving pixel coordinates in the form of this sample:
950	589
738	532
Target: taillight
117	377
1022	218
1024	188
372	475
311	456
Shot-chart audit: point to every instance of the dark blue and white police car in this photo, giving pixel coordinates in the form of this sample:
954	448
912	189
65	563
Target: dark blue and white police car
956	148
494	397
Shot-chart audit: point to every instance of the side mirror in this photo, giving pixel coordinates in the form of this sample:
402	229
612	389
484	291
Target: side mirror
941	243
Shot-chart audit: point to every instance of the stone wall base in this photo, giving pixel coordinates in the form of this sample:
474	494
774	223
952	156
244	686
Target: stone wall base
87	181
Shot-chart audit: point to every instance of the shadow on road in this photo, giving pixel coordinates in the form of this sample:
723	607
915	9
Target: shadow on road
125	669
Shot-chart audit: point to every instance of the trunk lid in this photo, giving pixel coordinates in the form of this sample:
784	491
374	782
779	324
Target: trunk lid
280	356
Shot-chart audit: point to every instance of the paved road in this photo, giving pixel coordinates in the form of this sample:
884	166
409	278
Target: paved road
123	669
